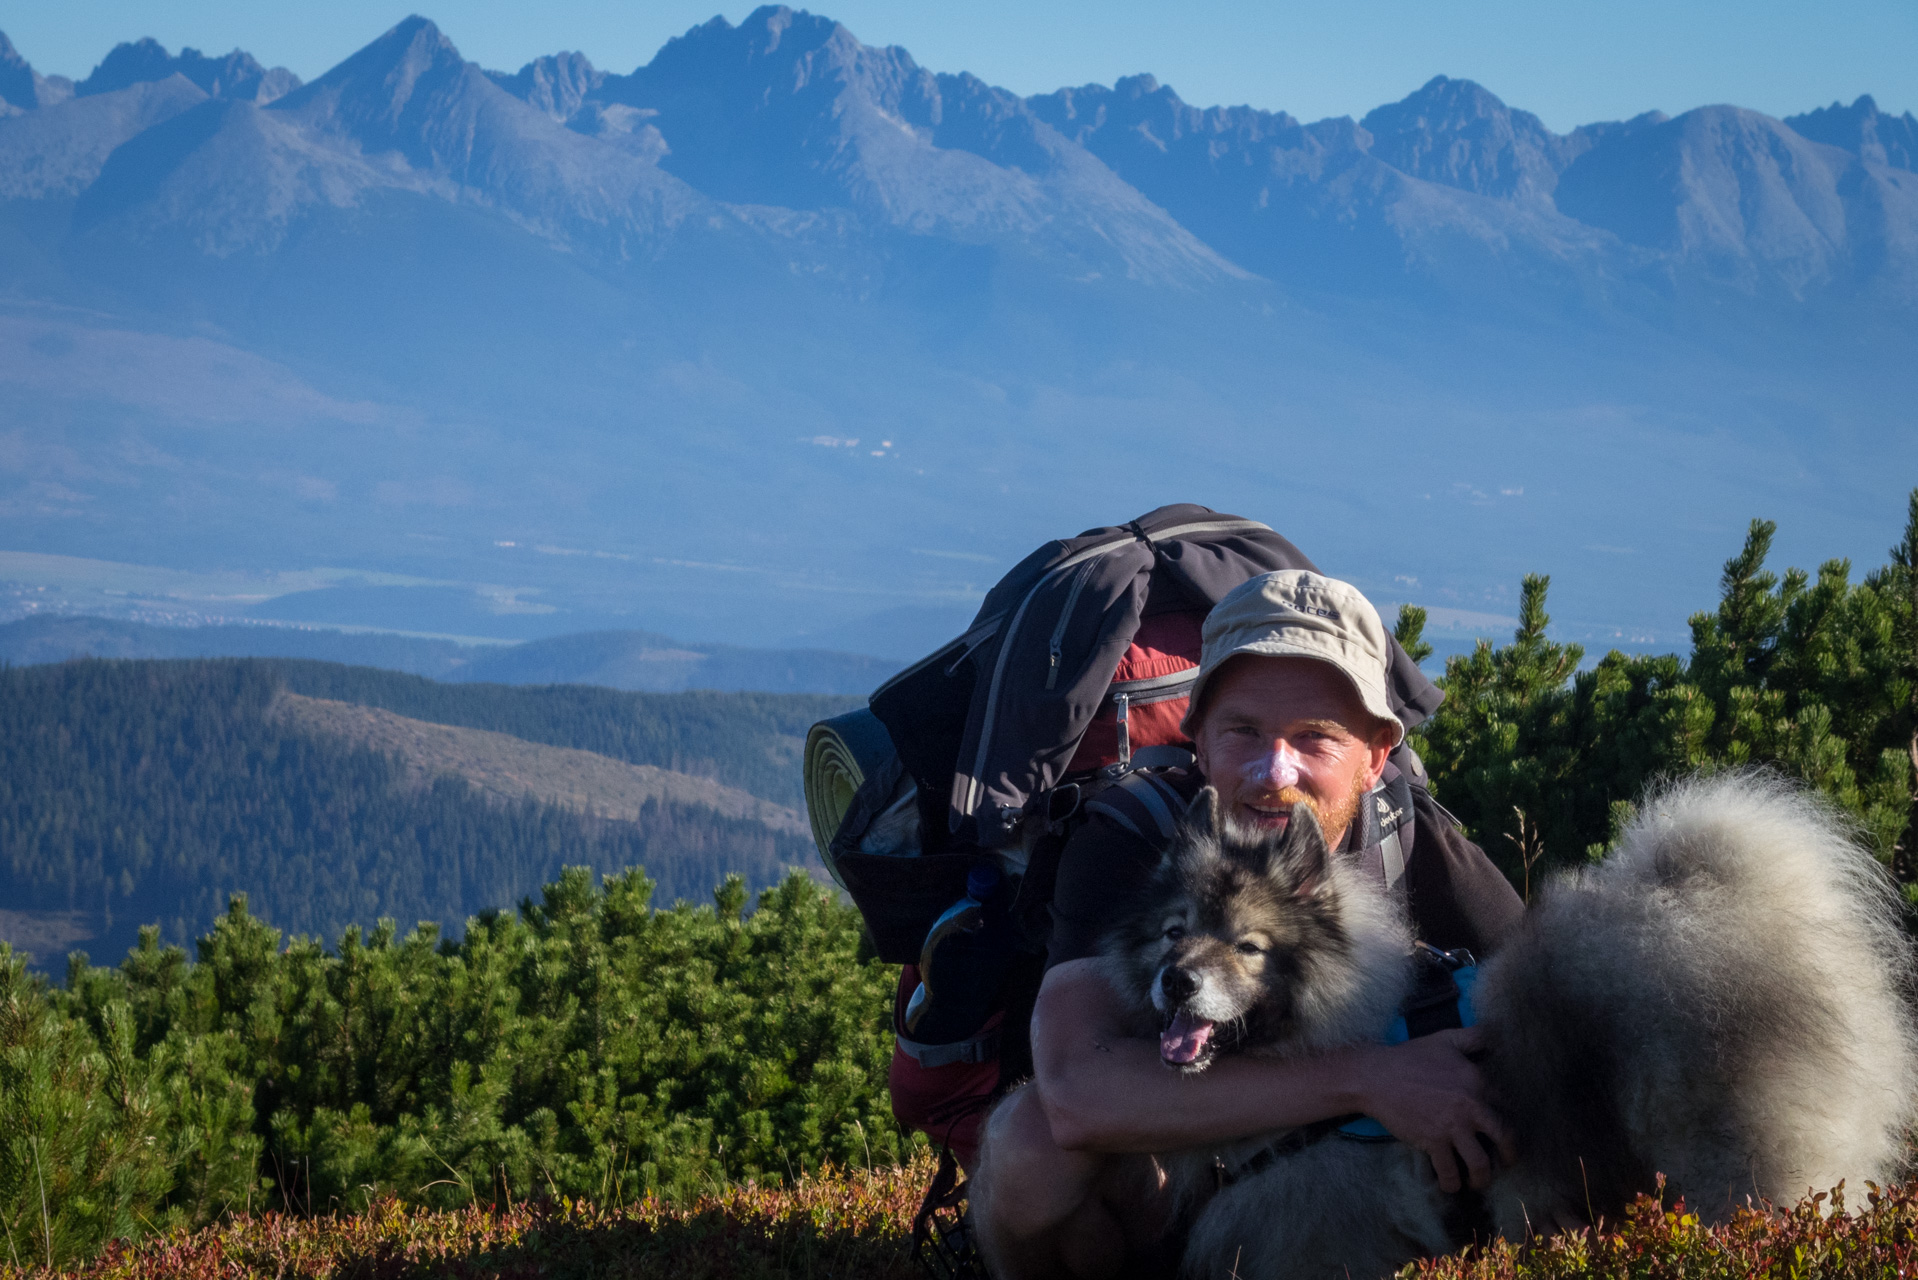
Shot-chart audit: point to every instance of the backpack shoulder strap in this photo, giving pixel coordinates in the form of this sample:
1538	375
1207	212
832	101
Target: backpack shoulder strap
1149	803
1392	804
1385	824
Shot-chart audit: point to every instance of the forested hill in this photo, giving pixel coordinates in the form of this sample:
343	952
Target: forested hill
149	792
747	740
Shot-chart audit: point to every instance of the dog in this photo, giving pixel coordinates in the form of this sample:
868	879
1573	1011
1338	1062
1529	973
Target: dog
1724	1000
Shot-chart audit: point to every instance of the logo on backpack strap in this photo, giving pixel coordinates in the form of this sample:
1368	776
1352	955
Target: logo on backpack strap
1389	814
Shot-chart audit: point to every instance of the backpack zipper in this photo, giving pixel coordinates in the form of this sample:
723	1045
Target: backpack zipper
1065	616
1174	684
1012	628
1127	693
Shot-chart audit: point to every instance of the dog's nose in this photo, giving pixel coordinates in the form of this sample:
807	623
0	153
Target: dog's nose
1177	983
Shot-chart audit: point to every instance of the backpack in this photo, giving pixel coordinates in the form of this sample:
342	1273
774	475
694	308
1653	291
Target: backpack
1072	679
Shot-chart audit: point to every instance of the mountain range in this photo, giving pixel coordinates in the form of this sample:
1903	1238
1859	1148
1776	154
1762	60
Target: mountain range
785	339
630	660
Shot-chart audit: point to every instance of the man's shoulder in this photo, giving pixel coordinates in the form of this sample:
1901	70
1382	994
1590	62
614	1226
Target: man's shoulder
1459	898
1435	817
1126	827
1427	808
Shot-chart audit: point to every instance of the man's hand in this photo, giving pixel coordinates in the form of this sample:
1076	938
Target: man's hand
1429	1094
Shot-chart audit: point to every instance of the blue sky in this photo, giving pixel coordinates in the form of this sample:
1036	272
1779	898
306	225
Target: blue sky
1571	63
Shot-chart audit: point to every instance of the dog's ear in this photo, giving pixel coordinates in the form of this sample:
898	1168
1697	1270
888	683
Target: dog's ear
1302	849
1202	816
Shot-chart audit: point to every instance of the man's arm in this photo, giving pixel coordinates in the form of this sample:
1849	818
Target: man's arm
1104	1091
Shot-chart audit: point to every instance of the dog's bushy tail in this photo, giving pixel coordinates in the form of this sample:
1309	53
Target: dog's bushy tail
1726	999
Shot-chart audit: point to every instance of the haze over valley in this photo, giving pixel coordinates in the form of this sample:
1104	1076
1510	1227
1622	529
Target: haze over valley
782	340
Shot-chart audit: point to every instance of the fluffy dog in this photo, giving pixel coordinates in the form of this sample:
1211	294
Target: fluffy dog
1724	1000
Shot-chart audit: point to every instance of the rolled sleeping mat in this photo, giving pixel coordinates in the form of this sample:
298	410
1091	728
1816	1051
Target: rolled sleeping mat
841	753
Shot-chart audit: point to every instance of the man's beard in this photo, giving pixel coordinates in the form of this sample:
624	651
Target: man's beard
1335	819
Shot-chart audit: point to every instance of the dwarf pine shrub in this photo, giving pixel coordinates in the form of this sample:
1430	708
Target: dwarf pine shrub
586	1046
1816	677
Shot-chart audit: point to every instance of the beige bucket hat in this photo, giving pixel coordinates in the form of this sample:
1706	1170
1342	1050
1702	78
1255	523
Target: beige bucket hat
1298	614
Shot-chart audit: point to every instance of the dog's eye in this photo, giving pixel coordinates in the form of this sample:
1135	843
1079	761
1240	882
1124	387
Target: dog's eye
1250	949
1174	933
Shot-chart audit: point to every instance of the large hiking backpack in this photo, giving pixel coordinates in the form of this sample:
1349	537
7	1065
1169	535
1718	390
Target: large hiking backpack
1074	675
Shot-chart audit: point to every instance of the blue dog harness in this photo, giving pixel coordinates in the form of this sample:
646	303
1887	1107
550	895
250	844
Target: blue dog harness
1431	1008
1441	1000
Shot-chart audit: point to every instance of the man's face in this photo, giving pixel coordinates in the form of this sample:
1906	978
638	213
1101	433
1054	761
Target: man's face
1280	730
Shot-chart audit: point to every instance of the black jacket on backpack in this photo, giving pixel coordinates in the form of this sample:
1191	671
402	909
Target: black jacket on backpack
985	726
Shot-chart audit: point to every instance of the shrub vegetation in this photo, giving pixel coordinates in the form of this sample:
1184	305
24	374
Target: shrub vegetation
458	1106
1817	677
587	1046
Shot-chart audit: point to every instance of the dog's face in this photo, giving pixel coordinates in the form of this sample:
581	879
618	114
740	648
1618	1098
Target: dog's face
1226	933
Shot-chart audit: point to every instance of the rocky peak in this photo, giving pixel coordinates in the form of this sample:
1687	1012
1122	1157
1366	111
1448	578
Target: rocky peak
132	63
392	91
22	88
779	109
17	81
1458	133
1139	112
238	75
1161	144
1863	130
556	83
779	53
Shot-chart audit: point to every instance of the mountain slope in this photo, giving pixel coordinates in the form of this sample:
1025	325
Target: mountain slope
61	149
1744	200
135	793
411	94
749	741
506	768
221	179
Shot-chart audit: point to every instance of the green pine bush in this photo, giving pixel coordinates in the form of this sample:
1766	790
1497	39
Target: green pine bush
587	1046
1814	677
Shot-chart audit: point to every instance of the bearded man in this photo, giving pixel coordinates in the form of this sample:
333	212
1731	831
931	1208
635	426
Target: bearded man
1289	708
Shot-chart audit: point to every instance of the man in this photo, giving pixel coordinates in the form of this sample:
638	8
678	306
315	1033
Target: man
1289	708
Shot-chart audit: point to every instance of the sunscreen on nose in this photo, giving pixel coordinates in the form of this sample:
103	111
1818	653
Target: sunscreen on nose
1275	770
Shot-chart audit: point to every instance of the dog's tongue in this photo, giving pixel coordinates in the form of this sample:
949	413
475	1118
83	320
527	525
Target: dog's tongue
1184	1039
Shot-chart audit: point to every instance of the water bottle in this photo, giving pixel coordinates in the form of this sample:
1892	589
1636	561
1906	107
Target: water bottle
967	952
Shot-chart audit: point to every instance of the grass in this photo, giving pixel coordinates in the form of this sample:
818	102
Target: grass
1814	1240
856	1225
850	1225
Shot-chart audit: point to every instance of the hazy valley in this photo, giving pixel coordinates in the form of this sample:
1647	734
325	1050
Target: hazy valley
785	340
